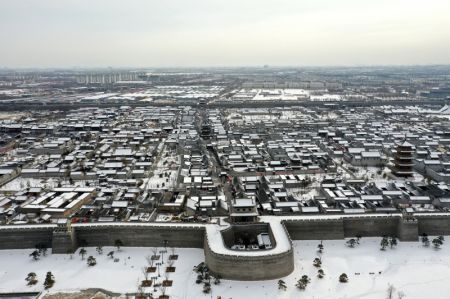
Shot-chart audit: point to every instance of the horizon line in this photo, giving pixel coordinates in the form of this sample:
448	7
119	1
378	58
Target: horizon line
223	67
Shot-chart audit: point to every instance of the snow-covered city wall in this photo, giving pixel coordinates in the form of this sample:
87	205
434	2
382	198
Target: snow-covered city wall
188	236
232	264
251	265
25	236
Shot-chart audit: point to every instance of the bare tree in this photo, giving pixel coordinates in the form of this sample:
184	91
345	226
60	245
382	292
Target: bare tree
82	252
155	251
140	291
144	271
171	262
162	289
401	295
166	275
150	261
390	292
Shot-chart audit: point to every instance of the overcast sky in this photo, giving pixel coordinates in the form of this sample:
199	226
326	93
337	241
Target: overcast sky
146	33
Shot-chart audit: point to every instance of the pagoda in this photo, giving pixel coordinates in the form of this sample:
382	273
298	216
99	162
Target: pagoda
403	160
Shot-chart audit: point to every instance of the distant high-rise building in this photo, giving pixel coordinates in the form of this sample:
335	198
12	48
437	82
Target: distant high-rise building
108	77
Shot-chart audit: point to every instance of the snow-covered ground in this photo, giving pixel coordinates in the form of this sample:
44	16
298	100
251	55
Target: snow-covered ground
415	270
74	274
271	94
165	172
21	183
326	97
303	193
156	182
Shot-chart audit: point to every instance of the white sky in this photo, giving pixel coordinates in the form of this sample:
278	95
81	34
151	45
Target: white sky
145	33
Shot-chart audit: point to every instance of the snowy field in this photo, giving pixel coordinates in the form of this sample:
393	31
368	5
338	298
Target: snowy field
415	270
74	274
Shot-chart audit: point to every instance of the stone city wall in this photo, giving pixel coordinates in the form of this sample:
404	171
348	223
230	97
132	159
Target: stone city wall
433	225
230	266
249	267
26	236
141	236
315	229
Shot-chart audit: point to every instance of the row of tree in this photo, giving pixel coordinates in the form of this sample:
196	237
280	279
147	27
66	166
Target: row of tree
48	282
388	241
203	276
437	242
303	282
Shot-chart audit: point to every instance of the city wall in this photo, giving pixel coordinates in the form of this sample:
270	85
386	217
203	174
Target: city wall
250	267
141	236
229	234
433	225
315	229
352	226
26	236
238	267
231	266
371	227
